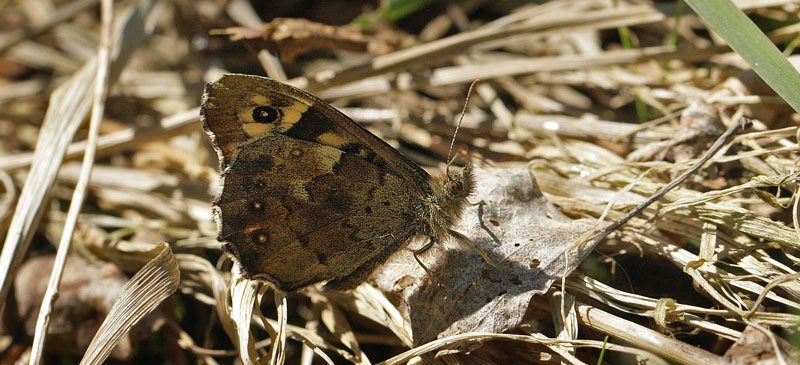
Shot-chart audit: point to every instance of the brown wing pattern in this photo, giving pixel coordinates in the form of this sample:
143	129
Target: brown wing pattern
238	108
307	194
302	217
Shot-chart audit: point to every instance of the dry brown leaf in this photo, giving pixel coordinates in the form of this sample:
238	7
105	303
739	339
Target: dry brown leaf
88	291
699	127
292	37
754	347
526	236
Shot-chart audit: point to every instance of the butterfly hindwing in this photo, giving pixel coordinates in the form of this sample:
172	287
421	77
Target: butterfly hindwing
302	218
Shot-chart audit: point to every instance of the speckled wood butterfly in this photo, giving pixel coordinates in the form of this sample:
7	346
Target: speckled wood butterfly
307	195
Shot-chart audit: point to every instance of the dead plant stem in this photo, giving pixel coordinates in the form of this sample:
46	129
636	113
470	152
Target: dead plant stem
79	194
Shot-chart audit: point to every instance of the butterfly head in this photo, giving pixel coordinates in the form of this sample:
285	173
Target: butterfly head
458	185
450	193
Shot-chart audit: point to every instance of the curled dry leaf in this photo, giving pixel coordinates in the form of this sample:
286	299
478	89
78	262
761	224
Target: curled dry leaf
699	127
754	347
88	291
292	37
531	242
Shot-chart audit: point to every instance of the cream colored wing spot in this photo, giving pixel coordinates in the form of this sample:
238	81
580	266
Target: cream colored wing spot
246	115
291	114
260	100
331	139
257	129
327	159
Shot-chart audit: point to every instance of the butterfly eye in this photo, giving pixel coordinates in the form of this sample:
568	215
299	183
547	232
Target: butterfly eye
266	114
454	187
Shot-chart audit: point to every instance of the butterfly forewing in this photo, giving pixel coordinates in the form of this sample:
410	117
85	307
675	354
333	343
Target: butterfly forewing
240	108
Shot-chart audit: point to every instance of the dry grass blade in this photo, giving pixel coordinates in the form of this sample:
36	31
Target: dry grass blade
278	351
79	195
495	69
603	19
9	195
243	293
315	341
565	318
109	143
565	352
644	338
663	311
721	141
460	42
336	321
587	108
193	265
60	15
754	184
373	304
69	104
482	337
154	283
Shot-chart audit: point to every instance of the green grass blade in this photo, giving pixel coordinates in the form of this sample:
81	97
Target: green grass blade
748	41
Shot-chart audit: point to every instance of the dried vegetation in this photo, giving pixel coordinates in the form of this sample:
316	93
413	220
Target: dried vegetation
707	274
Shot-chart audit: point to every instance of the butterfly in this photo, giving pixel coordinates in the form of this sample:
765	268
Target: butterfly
308	195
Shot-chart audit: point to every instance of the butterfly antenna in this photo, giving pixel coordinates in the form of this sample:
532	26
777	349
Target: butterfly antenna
450	157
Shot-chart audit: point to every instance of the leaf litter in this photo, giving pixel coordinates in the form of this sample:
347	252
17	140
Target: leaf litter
705	274
531	243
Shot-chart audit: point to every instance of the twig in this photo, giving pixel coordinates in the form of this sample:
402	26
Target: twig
69	104
11	194
79	194
492	69
721	141
459	42
173	125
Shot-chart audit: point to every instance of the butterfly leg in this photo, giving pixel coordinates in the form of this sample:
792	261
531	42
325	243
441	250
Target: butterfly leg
422	250
461	238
